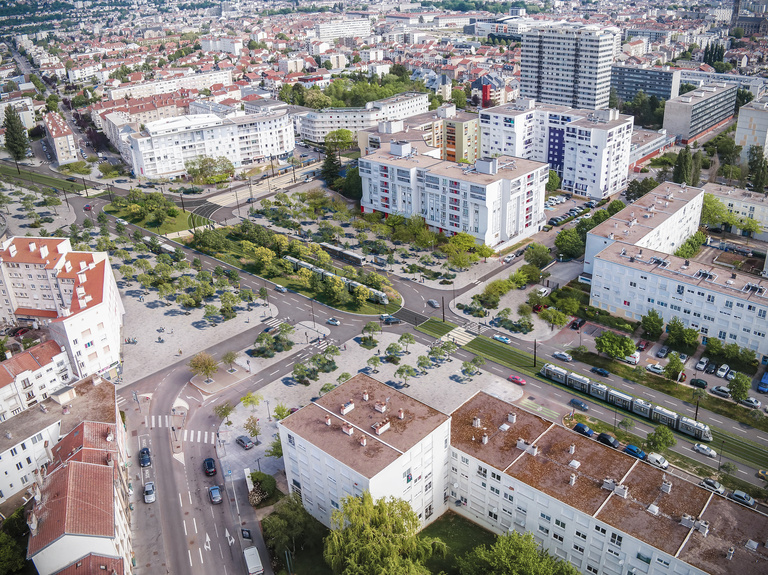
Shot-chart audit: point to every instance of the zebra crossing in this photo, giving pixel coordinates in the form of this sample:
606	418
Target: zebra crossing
185	435
273	322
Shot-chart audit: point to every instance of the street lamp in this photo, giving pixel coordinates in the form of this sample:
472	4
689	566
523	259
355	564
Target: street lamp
312	304
720	460
269	413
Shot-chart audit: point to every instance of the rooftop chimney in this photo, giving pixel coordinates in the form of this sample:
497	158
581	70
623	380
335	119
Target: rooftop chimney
730	553
347	407
485	438
32	522
475	422
348	429
380	406
365	395
666	486
400	414
511	417
572	480
572	449
488	166
328	420
363	440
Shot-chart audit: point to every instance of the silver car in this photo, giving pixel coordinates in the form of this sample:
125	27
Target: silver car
149	492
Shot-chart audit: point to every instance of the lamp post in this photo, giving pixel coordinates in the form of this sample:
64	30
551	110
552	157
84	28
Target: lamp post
720	460
269	413
312	305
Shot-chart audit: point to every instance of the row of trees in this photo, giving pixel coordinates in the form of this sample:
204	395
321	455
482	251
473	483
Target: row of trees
207	170
688	167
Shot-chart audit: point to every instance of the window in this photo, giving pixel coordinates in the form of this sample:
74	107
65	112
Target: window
482	471
600	530
495	490
616	539
14	451
20	465
557	537
291	440
465	460
662	561
711	299
543	530
495	476
508	497
644	558
560	523
581	535
546	517
591	569
578	548
493	515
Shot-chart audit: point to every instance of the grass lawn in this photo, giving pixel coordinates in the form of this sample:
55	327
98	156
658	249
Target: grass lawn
183	221
460	535
28	177
435	327
351	155
500	353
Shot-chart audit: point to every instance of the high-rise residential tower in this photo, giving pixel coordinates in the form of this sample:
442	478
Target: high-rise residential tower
568	64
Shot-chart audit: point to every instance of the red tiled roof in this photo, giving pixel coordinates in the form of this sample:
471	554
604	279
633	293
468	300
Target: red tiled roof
35	312
94	565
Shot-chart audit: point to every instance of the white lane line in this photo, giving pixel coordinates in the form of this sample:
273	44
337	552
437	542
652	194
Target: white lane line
190	557
744	472
669	402
763	438
199	433
274	372
298	307
181	501
146	421
716	420
194	522
167	421
738	429
189	493
185	435
290	364
205	437
201	555
534	385
184	523
213	439
153	421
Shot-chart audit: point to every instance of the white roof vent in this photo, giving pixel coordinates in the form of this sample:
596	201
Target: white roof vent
653	509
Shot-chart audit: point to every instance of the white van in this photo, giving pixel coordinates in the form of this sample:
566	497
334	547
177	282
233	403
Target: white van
657	460
253	561
633	359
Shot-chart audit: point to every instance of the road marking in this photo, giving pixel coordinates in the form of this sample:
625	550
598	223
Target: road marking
181	501
744	472
183	522
194	522
290	364
190	557
185	435
534	385
167	424
716	420
274	372
669	402
153	421
738	429
201	555
199	433
763	438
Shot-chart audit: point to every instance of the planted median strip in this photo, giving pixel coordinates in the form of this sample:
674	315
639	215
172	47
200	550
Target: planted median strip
436	328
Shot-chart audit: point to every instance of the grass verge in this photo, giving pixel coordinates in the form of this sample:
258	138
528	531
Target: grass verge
500	353
436	328
28	177
180	223
460	535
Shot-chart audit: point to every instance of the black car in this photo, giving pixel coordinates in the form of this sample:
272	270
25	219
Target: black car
145	459
209	466
71	180
609	440
577	323
600	371
392	321
700	383
711	367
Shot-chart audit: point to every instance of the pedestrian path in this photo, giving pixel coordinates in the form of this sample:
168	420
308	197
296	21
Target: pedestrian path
186	435
459	336
274	322
535	407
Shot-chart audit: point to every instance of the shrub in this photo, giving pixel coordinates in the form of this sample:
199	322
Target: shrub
267	482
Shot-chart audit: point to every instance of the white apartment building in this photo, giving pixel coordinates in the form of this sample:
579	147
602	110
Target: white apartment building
372	55
330	31
661	220
290	65
337	60
189	81
510	470
752	127
164	147
589	149
61	138
568	64
366	436
315	125
229	44
744	204
31	376
499	201
43	283
24	107
82	73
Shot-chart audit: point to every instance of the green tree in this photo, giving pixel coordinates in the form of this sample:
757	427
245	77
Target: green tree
12	559
614	345
16	142
406	339
290	523
728	468
627	424
537	255
331	166
615	207
252	427
682	172
459	98
713	212
553	184
674	366
394	546
405	372
251	400
423	363
223	411
281	411
553	317
374	363
740	387
569	243
652	324
660	439
513	553
203	364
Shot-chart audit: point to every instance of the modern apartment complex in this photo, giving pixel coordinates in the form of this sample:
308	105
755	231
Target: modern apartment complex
627	80
72	294
743	204
61	138
454	133
568	64
499	201
752	127
189	81
163	147
229	44
316	124
330	31
589	149
697	113
78	516
509	470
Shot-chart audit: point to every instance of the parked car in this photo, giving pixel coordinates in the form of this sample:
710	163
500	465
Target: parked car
579	404
721	391
657	460
712	485
244	442
634	451
731	375
149	492
743	498
641	345
544	291
705	450
333	321
723	371
751	402
145	458
702	363
663	352
577	323
600	371
214	493
700	383
609	440
433	303
209	466
562	355
583	429
516	379
655	368
711	368
509	258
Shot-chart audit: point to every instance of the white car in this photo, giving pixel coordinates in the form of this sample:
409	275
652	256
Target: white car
149	492
702	364
333	321
705	450
562	355
502	339
509	258
121	221
723	371
655	368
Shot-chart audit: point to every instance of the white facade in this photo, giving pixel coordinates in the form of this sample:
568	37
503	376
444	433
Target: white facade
661	220
752	127
743	204
166	145
82	73
190	82
589	149
330	31
73	294
290	65
22	454
336	60
499	201
229	44
372	55
61	138
315	125
568	64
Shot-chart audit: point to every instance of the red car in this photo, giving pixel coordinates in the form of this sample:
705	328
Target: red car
516	379
22	331
538	307
641	345
87	207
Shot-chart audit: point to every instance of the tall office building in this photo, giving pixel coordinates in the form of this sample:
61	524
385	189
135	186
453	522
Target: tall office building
568	64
